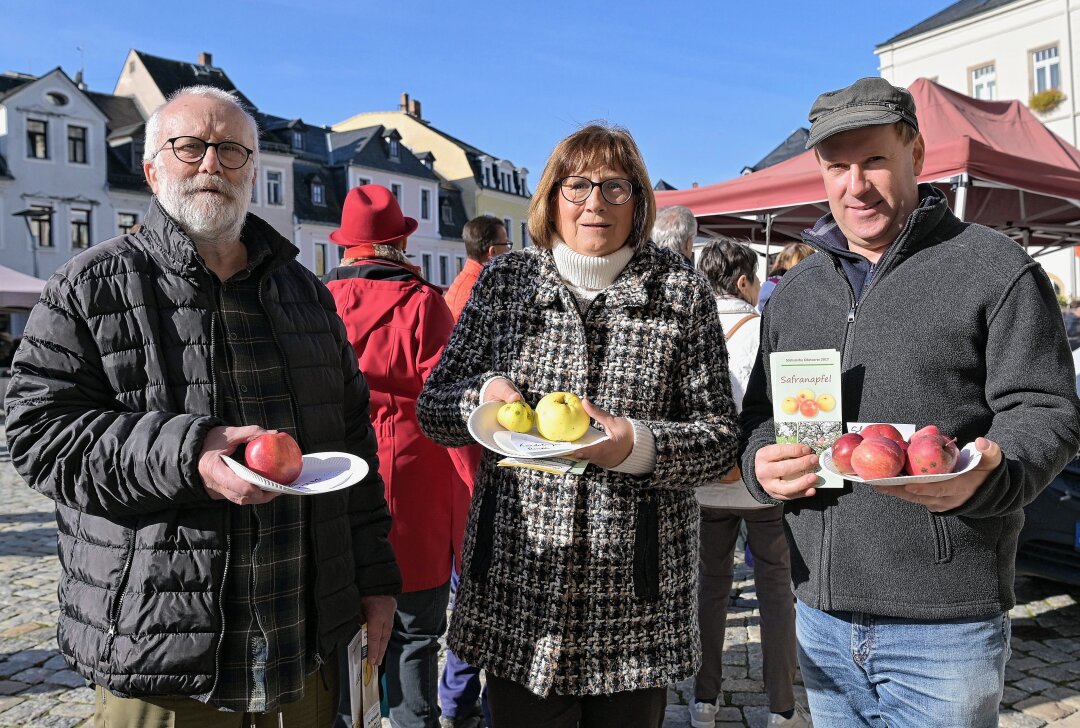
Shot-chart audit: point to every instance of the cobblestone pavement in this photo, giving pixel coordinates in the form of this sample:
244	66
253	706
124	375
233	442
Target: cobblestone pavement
37	688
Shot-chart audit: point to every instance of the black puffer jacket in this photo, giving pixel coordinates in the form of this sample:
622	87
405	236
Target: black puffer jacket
111	397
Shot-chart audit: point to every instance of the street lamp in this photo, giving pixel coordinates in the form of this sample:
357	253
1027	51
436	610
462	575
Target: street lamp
28	215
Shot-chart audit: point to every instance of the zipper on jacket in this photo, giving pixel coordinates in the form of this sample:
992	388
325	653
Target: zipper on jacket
114	617
221	607
213	351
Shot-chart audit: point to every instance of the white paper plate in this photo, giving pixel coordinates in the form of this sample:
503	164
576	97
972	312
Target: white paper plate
968	459
485	428
323	472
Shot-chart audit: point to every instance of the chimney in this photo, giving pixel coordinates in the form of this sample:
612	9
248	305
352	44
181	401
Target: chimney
414	108
79	80
205	59
404	105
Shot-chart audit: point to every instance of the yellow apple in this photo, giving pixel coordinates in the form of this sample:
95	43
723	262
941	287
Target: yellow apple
804	394
560	416
789	405
826	402
516	416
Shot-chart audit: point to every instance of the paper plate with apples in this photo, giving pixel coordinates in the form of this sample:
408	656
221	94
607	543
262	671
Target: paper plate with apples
322	472
967	459
486	429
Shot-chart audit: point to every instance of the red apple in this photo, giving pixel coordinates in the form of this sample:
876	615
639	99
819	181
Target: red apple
930	430
884	431
931	454
808	408
877	457
275	456
842	449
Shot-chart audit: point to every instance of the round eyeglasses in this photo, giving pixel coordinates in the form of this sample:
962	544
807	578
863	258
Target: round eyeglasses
189	149
616	191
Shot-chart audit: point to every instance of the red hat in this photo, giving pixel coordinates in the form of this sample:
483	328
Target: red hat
372	216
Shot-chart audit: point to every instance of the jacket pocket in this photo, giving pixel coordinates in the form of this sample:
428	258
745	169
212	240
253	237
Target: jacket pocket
480	559
943	551
647	548
116	604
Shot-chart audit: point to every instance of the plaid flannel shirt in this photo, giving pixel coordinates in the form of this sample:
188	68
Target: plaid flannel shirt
266	646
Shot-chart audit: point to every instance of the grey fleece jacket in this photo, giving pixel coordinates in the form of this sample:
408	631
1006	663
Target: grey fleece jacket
957	327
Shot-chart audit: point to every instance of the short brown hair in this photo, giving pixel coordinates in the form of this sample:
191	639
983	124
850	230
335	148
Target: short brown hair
906	132
480	234
790	256
592	146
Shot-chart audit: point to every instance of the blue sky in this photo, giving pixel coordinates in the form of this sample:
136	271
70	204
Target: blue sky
705	87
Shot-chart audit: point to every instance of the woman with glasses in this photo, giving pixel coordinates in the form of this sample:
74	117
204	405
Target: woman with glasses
578	593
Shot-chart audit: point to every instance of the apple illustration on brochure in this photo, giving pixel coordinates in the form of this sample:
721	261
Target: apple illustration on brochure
558	425
806	402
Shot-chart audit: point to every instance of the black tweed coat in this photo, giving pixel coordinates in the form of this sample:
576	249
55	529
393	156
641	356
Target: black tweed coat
587	585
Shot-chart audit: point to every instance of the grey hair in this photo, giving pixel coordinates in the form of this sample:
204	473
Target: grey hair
723	261
152	143
675	228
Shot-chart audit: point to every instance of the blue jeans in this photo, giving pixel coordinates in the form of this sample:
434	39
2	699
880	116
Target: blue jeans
864	670
411	663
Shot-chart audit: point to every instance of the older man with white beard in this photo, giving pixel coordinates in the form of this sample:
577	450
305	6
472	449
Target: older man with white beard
189	596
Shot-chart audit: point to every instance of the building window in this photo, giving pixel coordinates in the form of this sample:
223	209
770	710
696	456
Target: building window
395	189
37	139
447	212
509	224
394	150
41	227
460	263
77	144
320	259
444	270
487	177
425	265
318	194
361	181
425	204
273	188
1046	69
984	82
297	139
524	233
125	221
80	228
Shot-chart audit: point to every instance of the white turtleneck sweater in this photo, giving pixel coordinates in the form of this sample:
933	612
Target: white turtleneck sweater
586	276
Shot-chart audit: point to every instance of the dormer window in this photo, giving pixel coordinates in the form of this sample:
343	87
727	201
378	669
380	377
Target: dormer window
318	193
298	140
395	151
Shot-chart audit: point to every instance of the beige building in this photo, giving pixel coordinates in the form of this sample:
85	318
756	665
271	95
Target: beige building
996	49
490	185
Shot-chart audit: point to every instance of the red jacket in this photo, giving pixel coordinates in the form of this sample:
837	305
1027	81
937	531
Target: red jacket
399	324
461	288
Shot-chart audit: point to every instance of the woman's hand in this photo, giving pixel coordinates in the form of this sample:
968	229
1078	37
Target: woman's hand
500	389
616	448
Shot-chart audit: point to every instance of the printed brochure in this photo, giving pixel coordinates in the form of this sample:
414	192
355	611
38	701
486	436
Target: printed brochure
806	402
363	684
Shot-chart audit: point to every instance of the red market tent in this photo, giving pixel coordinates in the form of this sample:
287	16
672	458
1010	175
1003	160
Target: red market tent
18	290
999	165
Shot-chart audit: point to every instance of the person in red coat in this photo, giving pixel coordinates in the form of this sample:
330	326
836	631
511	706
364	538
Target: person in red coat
485	238
398	324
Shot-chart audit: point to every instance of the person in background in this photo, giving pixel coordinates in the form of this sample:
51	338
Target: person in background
190	596
731	270
904	592
398	324
676	229
790	256
578	593
485	238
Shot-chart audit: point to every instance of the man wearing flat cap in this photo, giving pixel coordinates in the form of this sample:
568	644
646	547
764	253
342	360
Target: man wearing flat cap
903	592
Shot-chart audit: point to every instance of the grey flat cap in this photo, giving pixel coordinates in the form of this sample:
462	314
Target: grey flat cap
867	102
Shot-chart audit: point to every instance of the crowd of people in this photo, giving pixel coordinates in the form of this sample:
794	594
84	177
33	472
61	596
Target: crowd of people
190	596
